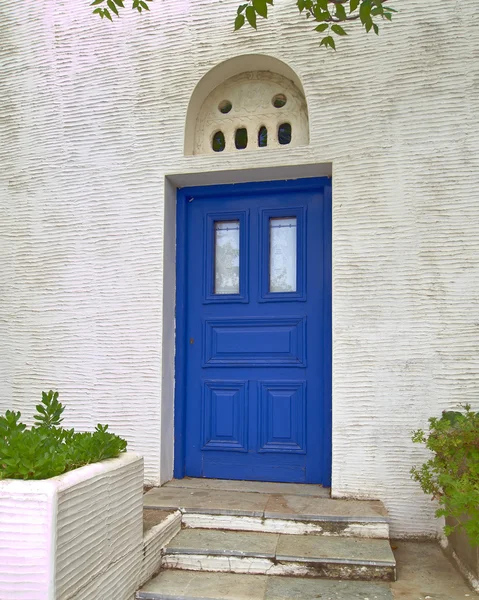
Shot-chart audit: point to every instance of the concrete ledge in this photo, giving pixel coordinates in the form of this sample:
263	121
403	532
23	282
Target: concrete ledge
153	543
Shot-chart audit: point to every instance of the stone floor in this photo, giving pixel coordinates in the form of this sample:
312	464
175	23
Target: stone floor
424	573
256	499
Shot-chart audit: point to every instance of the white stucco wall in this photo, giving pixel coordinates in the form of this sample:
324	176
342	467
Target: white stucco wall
91	120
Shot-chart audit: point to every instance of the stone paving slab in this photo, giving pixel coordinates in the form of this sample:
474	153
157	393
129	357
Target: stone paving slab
293	506
231	543
279	506
183	585
289	588
209	501
309	548
262	487
293	548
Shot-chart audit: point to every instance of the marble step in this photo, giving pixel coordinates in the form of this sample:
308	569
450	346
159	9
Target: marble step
278	554
182	585
269	508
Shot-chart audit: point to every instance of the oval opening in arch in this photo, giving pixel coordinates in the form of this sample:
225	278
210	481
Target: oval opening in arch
225	106
241	138
262	137
285	133
218	142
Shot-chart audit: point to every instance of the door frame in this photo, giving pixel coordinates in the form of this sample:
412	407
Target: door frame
259	188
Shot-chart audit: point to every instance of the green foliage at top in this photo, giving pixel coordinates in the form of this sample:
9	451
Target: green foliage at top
111	7
329	16
451	476
47	449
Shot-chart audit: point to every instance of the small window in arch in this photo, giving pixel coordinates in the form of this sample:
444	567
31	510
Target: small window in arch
279	100
262	137
225	106
248	109
284	134
218	143
241	138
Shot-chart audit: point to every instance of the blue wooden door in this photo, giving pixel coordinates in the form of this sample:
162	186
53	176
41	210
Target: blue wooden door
254	331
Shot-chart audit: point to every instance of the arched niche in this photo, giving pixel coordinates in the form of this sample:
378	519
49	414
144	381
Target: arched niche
253	93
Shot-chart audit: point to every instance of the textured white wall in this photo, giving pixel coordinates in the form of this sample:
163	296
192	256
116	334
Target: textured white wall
91	119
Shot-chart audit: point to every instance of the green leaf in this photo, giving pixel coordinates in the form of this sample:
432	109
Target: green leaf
241	8
261	8
119	3
341	12
353	5
365	11
338	30
321	27
239	22
96	2
107	14
144	5
321	15
376	29
328	41
251	16
112	7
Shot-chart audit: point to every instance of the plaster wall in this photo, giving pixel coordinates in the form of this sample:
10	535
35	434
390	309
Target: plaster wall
92	118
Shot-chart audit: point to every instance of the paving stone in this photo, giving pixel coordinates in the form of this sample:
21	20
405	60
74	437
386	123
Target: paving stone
277	506
210	501
231	543
289	588
289	506
263	487
309	548
182	585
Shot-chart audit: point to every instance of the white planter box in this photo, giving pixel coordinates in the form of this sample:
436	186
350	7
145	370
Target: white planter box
77	536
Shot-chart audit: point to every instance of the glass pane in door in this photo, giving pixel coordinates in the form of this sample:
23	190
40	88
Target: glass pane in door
282	254
227	257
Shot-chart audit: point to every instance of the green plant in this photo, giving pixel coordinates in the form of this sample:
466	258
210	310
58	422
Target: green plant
329	16
326	14
451	476
110	7
47	449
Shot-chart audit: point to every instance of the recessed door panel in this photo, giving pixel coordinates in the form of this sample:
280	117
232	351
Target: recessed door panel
255	342
254	312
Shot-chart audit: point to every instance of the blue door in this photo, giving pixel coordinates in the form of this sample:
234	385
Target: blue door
254	332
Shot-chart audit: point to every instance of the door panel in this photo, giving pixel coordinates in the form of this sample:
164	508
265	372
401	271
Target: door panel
254	339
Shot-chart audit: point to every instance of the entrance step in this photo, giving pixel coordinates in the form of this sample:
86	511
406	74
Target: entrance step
182	585
270	508
277	554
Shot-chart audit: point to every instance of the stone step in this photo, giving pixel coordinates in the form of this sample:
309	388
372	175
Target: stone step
182	585
269	508
278	554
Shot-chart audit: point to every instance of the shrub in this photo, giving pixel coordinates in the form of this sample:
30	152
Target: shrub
451	476
47	449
